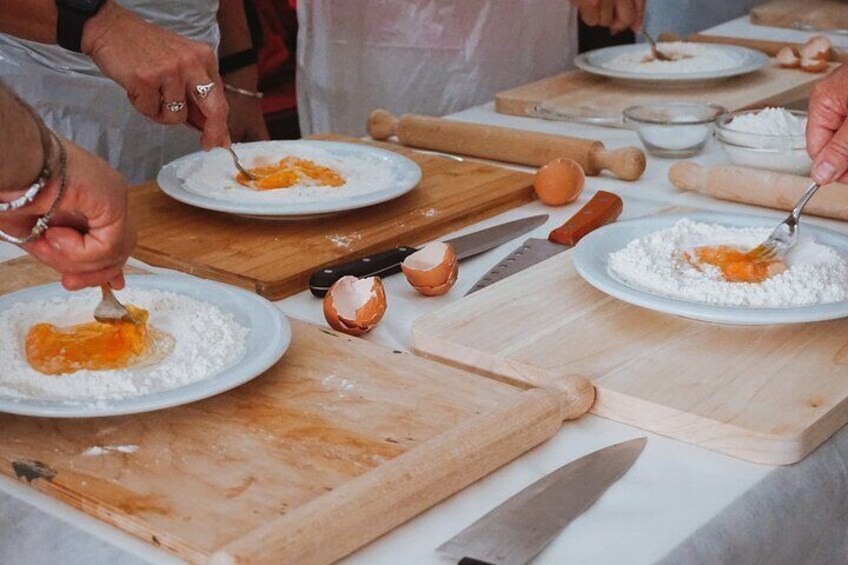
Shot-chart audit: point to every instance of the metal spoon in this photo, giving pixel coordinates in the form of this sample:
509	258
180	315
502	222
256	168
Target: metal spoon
658	55
785	235
110	311
243	170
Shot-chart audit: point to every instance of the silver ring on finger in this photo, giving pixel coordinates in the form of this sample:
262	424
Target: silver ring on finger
175	106
203	90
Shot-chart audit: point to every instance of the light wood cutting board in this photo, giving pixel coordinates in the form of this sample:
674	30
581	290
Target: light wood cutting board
818	14
583	94
336	444
768	394
275	259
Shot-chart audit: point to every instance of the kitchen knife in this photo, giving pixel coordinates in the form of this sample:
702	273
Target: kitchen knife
388	262
519	529
602	208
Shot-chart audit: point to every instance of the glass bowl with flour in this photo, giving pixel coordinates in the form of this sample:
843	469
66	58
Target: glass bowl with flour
769	138
673	130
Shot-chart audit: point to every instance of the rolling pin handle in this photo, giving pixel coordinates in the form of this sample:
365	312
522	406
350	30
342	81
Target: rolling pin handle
381	124
688	176
627	163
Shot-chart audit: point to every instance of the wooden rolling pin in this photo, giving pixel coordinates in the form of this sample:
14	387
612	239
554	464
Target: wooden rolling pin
505	144
407	485
759	187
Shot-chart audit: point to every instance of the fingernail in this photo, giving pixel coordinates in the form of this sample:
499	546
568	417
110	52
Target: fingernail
824	172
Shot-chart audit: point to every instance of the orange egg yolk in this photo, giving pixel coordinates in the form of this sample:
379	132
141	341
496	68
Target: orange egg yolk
736	265
289	172
93	345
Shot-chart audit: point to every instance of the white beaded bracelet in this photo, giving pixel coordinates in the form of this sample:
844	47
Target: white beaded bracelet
242	91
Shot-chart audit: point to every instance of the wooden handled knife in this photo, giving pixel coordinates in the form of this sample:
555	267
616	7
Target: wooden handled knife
602	208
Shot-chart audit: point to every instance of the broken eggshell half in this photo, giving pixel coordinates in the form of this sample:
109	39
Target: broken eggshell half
355	306
432	270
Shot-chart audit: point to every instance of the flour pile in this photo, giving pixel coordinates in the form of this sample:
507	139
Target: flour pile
208	340
817	274
699	59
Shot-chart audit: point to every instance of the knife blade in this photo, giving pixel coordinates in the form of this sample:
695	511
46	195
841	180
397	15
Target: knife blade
603	208
388	262
517	530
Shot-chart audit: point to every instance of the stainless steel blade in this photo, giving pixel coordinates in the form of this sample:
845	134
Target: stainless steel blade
520	528
532	251
474	243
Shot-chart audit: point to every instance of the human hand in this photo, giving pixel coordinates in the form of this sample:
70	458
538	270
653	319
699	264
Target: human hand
155	67
246	121
827	128
90	235
617	15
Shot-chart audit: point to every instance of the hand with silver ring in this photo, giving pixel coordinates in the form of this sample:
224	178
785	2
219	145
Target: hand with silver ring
203	90
159	70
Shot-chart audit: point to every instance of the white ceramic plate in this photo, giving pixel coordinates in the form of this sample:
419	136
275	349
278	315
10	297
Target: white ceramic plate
593	62
405	173
270	335
591	259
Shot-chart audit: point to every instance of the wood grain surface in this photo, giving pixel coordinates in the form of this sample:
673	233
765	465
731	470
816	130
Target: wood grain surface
768	394
275	259
582	94
335	445
820	14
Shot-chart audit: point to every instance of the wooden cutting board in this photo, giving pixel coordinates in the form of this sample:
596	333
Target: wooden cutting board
817	14
579	93
335	445
768	394
275	259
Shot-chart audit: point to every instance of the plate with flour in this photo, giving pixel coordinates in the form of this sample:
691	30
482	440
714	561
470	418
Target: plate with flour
644	262
698	62
362	176
223	337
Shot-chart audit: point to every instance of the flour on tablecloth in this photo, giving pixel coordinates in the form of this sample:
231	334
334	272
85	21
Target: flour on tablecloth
817	274
214	174
207	341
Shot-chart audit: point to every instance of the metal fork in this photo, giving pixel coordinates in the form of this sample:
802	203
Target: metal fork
110	310
239	166
785	235
658	55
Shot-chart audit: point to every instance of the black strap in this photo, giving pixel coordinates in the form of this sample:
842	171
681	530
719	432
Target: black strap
71	20
236	61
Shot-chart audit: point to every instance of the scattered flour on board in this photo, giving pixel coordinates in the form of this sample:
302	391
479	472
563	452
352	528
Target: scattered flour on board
104	449
207	340
817	274
343	241
214	174
702	58
430	213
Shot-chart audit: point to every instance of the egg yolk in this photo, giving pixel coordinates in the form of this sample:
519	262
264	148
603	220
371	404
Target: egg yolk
736	265
93	345
288	172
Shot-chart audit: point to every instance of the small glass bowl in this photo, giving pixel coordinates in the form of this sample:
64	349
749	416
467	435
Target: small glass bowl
672	129
780	153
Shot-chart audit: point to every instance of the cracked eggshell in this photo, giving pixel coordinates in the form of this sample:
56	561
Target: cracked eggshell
787	58
432	270
355	306
814	65
817	47
559	182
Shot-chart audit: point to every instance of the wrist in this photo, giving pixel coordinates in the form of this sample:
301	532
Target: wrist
99	25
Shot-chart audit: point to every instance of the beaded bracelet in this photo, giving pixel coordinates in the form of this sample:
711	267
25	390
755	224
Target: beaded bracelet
42	223
243	92
43	175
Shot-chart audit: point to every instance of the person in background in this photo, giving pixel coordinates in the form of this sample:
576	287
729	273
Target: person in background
63	205
430	56
126	71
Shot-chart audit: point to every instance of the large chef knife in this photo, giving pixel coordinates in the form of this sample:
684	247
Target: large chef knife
519	529
602	208
388	262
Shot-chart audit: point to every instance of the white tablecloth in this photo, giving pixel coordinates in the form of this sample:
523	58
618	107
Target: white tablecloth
678	500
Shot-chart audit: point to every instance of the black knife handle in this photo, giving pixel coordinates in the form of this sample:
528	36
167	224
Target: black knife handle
380	264
472	561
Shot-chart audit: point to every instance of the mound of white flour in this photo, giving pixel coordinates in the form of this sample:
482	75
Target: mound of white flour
207	340
701	58
213	176
817	274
